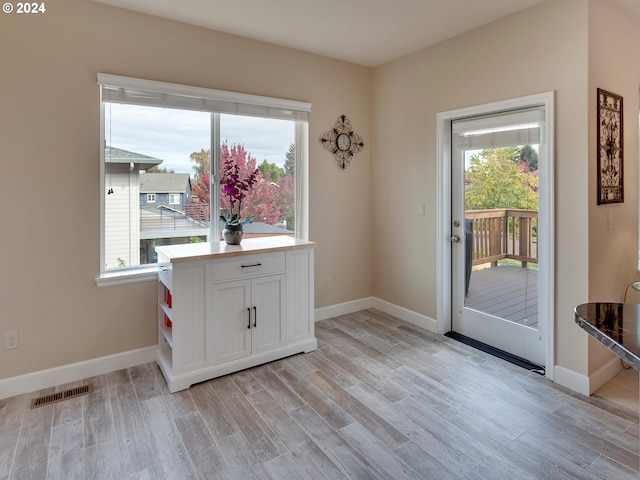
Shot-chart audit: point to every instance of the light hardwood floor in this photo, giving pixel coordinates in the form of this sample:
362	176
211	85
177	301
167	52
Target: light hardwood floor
379	399
623	389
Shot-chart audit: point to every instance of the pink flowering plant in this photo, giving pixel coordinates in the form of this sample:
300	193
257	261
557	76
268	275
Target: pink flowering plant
236	189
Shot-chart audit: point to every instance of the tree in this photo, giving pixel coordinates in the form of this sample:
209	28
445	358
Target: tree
494	180
286	200
200	188
202	160
260	201
156	169
198	207
290	160
271	172
263	201
529	156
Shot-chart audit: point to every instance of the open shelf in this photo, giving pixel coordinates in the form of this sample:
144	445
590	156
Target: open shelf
167	311
167	333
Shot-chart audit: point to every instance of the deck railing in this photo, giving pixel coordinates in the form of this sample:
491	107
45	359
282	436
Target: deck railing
504	233
169	217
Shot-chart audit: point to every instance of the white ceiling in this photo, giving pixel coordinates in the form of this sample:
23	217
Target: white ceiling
366	32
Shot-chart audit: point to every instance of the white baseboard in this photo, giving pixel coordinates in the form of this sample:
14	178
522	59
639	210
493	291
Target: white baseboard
572	380
382	305
343	308
52	377
410	316
584	384
604	374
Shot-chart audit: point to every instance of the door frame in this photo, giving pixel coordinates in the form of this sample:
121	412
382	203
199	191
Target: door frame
546	197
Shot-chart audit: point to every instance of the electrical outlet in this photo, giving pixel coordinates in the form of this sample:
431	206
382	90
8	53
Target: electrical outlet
10	340
329	282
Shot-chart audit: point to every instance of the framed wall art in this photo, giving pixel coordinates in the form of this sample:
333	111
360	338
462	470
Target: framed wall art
610	148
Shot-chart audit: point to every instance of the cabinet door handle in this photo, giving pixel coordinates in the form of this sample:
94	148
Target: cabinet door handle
252	265
255	317
249	312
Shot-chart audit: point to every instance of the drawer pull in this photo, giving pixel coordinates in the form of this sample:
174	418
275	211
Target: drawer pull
252	265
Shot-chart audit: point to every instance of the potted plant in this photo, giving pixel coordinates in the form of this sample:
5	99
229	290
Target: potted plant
236	189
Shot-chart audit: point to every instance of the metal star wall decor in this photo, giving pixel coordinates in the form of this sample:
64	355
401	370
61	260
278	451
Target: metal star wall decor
342	142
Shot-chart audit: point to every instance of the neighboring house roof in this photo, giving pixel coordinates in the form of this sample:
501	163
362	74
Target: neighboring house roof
165	182
118	155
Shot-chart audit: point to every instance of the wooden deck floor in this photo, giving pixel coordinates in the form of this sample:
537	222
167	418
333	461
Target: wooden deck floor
506	292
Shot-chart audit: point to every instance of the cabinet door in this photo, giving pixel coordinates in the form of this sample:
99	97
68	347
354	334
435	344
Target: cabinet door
268	301
229	335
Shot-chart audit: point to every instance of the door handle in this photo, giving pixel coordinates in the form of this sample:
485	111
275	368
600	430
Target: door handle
455	239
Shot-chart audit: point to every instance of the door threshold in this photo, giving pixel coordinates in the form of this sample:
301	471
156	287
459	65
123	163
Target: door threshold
521	362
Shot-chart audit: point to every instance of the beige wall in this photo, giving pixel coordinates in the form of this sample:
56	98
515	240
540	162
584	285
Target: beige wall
49	154
614	41
538	50
49	147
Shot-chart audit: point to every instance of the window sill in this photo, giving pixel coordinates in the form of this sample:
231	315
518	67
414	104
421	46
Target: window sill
147	273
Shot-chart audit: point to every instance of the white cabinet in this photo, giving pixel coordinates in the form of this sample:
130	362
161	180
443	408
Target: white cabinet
222	309
247	317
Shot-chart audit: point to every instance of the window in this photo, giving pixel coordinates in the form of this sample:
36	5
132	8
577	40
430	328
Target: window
161	165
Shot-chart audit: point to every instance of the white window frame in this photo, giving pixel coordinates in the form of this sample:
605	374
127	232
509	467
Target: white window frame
174	199
151	198
136	91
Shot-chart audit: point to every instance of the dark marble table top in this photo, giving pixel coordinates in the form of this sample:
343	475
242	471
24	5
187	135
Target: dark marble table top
615	325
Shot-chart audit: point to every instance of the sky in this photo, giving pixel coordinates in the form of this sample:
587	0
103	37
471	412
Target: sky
172	135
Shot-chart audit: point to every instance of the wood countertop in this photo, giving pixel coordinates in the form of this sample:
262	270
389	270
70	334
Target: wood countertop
190	252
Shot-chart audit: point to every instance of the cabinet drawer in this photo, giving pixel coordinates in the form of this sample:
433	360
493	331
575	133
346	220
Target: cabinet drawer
247	266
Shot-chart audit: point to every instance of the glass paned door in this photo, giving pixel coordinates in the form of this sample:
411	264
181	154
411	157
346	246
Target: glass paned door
494	231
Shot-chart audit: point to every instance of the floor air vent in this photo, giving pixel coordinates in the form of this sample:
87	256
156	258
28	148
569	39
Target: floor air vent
61	396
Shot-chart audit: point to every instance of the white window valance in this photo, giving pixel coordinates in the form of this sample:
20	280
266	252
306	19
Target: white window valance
150	93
